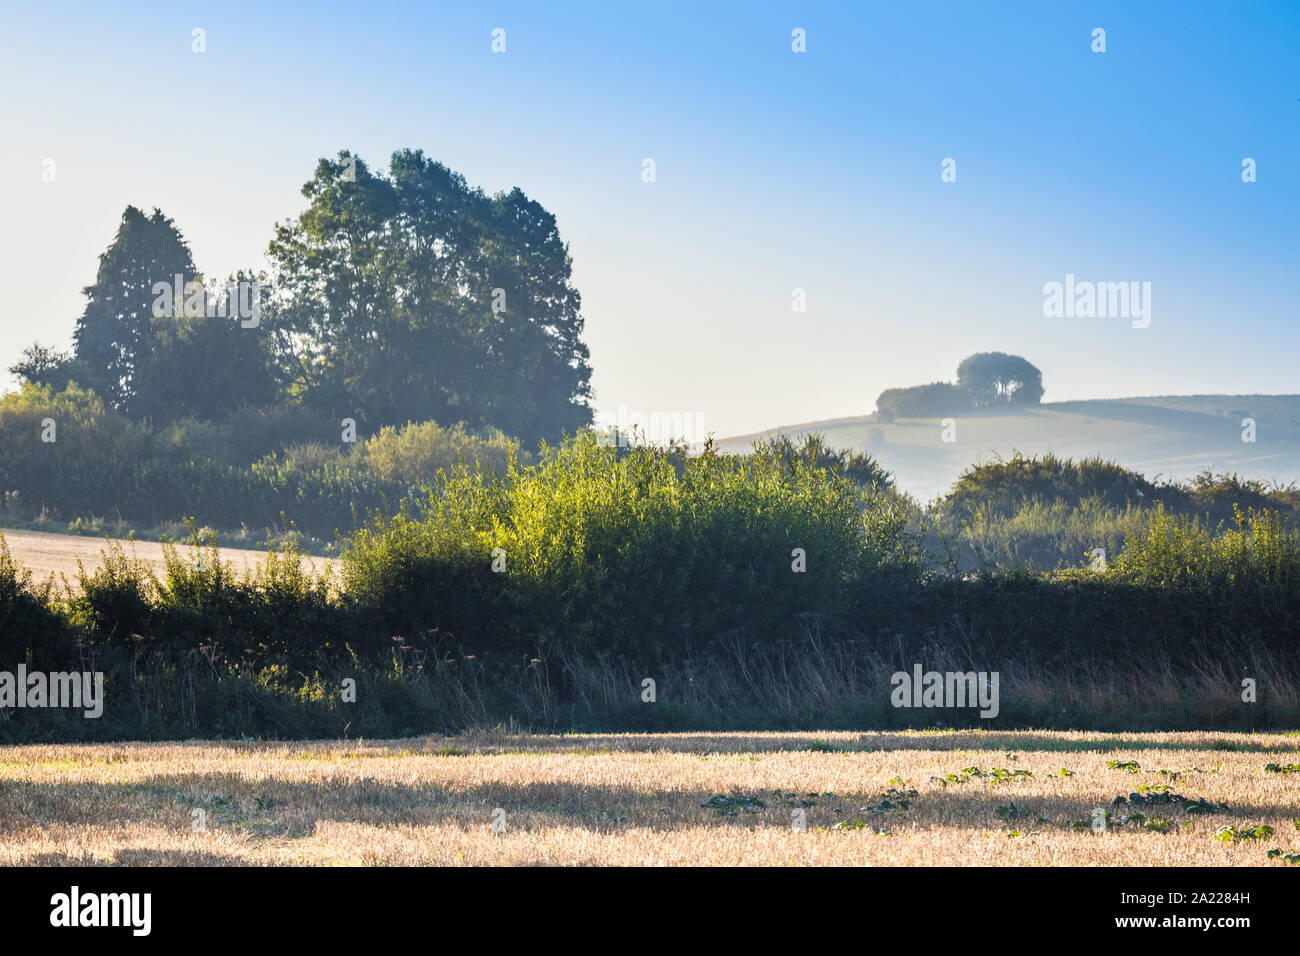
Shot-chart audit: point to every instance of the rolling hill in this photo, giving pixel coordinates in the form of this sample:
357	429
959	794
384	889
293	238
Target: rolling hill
1167	436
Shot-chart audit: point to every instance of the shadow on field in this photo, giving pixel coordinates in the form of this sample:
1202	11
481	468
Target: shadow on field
261	808
139	858
978	810
741	743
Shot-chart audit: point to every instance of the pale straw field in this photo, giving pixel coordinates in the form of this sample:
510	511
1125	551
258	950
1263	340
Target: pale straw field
636	800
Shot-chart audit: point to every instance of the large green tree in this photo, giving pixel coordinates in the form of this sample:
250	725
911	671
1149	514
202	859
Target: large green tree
996	378
534	358
411	296
204	365
115	332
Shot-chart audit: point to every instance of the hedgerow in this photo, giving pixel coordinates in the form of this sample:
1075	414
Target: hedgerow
763	590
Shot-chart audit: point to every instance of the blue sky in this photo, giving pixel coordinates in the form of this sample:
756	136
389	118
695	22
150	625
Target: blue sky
775	171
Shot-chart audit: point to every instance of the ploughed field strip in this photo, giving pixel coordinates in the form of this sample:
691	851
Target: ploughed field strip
906	798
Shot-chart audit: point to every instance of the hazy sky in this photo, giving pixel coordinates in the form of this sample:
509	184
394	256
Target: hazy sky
775	170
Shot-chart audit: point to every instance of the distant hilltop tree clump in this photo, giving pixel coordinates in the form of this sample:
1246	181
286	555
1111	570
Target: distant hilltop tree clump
996	378
984	380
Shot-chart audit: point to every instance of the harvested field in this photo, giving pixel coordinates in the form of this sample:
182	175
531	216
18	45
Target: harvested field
47	554
911	798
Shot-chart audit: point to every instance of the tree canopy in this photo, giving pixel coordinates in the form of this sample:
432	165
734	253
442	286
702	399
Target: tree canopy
48	366
996	378
922	401
202	366
397	296
115	332
411	296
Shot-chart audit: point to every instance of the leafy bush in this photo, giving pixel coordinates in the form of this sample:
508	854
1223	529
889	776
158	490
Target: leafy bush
1217	498
417	452
191	439
1051	512
258	432
276	611
626	552
863	470
116	600
310	458
91	444
1003	486
1258	557
100	464
31	629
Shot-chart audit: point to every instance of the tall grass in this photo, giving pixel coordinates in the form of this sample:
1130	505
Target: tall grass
1048	534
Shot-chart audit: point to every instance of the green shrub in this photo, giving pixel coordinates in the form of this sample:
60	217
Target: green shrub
417	452
258	432
31	629
92	447
813	451
310	458
1259	556
277	611
1002	487
1217	498
101	464
191	439
116	600
618	563
624	551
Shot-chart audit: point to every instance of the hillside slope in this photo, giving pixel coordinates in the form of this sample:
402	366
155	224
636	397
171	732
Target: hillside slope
1170	436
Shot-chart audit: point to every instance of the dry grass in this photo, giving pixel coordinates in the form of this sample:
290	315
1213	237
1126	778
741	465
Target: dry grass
634	800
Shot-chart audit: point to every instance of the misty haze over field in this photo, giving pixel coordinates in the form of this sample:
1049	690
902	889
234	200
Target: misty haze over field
1168	436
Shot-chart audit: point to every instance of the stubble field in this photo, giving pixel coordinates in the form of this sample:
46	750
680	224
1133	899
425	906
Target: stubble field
908	798
57	555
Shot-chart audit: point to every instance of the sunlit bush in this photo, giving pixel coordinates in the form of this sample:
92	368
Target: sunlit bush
416	453
31	627
1259	555
625	550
